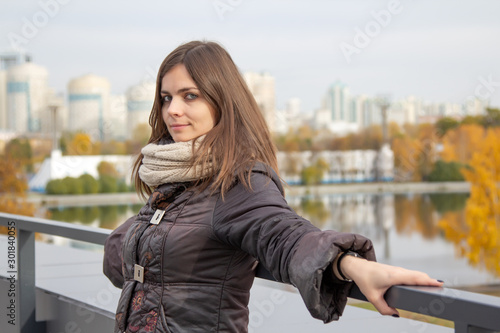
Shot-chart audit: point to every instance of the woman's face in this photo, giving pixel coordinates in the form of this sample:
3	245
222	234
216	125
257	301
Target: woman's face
185	112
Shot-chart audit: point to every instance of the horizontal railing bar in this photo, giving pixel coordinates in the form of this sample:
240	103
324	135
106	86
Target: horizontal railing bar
475	309
452	304
63	229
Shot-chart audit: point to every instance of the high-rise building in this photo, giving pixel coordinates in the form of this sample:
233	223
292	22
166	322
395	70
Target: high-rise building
89	105
140	99
13	58
8	60
26	97
262	87
337	100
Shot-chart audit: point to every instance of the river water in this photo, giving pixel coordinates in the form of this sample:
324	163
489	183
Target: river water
407	229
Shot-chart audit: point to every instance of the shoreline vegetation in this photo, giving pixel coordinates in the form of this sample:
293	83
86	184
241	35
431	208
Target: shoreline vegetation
290	190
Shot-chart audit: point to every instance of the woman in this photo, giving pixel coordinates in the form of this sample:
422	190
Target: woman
216	208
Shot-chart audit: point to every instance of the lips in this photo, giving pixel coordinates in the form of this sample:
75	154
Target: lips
177	127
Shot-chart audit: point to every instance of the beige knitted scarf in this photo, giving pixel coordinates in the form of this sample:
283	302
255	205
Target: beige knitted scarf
170	163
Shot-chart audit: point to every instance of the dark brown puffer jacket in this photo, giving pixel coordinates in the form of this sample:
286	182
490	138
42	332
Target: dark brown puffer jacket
199	260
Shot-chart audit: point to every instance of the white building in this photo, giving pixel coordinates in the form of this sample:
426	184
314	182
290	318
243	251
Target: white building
140	100
352	166
474	106
262	87
290	117
26	97
58	166
89	105
384	165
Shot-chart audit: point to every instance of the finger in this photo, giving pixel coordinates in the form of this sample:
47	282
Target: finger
381	305
409	277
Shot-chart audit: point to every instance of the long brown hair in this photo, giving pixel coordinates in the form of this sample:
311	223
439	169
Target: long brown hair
240	137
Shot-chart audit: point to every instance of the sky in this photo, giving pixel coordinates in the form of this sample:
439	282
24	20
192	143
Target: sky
440	51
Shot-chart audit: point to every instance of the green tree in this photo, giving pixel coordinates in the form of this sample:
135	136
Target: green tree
73	185
492	118
472	120
89	183
446	171
56	186
107	184
445	124
20	150
313	174
121	186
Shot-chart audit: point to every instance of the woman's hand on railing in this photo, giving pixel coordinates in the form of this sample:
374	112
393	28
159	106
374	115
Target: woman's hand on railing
373	279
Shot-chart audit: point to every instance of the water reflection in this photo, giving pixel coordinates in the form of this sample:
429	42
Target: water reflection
391	221
108	217
371	214
432	217
475	232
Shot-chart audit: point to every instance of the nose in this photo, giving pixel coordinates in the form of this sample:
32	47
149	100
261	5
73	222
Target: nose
174	107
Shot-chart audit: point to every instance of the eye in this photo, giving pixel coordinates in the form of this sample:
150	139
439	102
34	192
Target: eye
166	99
191	96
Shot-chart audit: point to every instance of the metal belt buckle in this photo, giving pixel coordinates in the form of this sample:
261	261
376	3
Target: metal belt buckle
139	273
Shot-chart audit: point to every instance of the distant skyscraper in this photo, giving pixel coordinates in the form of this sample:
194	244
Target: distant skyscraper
8	60
26	97
89	105
140	99
13	58
337	100
262	88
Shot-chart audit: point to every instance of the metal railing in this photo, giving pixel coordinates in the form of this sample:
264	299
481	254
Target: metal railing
471	312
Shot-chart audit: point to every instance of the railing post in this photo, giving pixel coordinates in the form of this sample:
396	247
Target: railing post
26	271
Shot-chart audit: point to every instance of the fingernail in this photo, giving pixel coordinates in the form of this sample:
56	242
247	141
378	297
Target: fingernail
440	281
395	315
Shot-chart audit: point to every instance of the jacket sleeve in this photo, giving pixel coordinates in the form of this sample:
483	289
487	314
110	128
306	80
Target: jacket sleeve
260	222
112	261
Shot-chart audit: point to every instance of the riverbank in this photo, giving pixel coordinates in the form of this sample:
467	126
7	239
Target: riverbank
383	187
99	199
368	188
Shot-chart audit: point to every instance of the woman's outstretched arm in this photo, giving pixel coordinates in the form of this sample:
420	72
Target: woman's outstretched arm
373	279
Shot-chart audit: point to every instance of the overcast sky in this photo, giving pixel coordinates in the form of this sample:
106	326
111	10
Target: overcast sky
436	50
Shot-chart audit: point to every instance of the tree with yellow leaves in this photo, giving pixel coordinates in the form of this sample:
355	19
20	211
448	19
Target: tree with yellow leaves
415	153
479	238
13	188
460	143
81	144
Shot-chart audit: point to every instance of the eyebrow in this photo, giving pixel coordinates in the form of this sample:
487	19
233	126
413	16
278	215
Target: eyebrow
180	91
